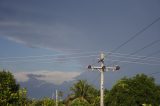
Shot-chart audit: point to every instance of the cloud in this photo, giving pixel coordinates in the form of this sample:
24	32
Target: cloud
54	36
21	76
56	77
15	40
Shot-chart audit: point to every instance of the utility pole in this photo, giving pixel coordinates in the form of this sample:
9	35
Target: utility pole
101	60
56	98
102	69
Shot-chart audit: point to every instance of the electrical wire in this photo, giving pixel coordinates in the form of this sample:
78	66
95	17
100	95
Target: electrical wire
81	53
24	57
146	57
136	62
146	46
136	34
154	53
61	59
154	73
136	58
81	56
55	59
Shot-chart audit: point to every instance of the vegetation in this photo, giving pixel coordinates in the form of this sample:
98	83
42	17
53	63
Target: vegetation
134	92
139	90
82	92
10	92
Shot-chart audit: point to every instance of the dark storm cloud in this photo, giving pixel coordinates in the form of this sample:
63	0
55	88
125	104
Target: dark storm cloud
80	25
57	36
86	25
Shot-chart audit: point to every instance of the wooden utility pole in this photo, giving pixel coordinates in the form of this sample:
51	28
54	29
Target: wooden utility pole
102	69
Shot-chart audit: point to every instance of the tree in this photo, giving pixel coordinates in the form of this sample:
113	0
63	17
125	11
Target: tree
8	89
79	102
23	97
135	91
43	102
83	91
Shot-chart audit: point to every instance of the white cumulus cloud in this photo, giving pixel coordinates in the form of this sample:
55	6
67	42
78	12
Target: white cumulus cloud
56	77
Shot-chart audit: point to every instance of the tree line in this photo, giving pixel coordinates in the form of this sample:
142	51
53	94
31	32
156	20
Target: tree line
139	90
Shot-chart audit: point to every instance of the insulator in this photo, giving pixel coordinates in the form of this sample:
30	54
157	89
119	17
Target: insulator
89	67
104	67
117	67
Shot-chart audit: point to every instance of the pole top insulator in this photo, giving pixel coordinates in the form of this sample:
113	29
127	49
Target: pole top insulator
117	67
89	66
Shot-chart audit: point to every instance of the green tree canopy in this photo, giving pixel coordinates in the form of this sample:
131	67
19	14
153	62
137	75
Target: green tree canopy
8	88
135	91
82	89
79	102
10	92
43	102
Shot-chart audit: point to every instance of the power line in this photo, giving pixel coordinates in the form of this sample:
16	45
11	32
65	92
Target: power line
148	56
24	57
144	58
141	57
146	46
58	59
154	73
136	62
76	57
45	55
136	34
89	53
136	58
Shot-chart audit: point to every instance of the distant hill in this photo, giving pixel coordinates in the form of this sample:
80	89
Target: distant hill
39	88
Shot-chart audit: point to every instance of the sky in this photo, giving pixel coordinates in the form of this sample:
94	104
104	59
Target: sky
61	38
